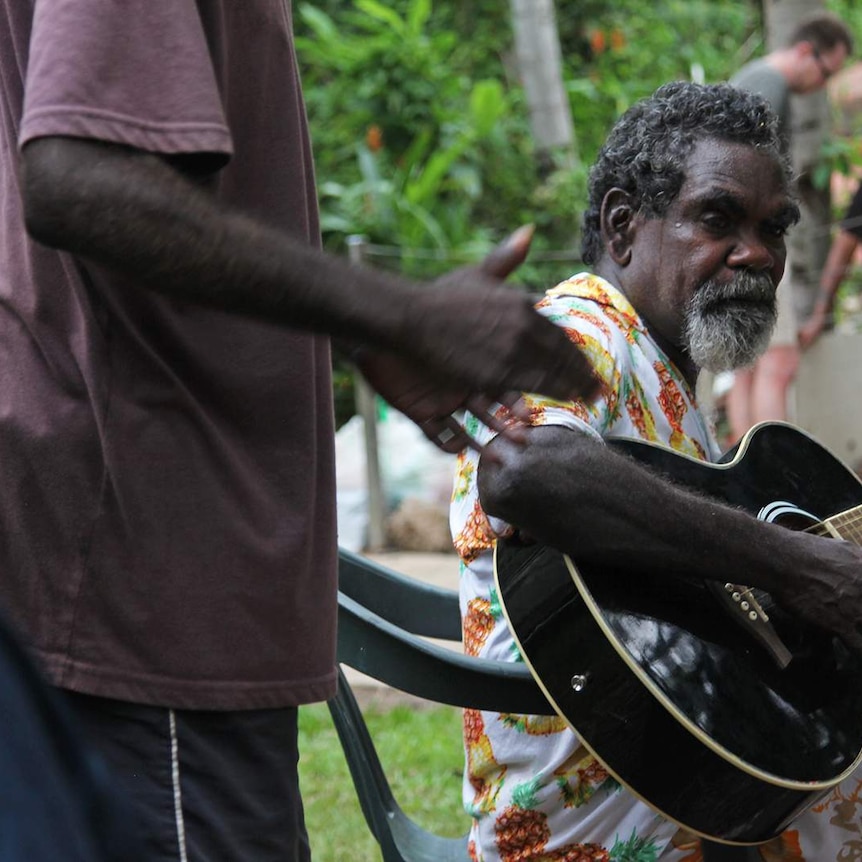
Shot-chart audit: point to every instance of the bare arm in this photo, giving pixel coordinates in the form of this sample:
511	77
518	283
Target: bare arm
834	270
572	493
133	212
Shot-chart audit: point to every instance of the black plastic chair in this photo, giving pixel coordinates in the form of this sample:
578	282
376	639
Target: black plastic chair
383	618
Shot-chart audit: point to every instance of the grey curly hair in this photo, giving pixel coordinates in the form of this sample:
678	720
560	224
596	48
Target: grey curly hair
647	148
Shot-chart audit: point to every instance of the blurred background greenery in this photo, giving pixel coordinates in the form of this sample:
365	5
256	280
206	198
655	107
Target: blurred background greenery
420	124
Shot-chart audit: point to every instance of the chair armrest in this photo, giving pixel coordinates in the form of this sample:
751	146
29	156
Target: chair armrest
377	647
411	605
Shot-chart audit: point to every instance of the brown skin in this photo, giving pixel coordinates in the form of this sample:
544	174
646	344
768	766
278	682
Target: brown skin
834	270
430	405
806	69
570	492
136	213
731	213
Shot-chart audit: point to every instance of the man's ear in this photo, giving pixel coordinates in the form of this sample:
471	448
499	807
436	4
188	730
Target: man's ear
618	225
804	49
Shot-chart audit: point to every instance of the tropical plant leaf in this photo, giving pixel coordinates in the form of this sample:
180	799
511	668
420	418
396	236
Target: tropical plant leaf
418	15
487	104
382	13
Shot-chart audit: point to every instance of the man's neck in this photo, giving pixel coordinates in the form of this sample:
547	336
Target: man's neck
675	353
611	273
786	62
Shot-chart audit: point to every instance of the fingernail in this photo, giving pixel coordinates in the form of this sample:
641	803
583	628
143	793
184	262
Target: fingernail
521	235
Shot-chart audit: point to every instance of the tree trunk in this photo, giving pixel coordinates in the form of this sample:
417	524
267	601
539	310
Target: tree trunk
537	46
808	242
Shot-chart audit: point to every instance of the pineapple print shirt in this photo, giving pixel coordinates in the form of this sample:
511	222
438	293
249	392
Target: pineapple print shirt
534	792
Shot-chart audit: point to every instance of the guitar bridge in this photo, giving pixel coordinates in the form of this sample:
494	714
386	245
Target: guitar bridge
743	607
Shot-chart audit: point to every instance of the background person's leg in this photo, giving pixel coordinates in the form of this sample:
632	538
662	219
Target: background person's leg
773	375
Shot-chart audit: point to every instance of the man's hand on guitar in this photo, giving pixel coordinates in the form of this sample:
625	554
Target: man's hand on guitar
827	591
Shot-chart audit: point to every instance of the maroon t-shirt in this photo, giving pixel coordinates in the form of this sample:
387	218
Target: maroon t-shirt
167	504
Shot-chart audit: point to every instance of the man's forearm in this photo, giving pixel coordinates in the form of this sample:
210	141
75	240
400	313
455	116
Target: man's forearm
133	212
579	496
835	268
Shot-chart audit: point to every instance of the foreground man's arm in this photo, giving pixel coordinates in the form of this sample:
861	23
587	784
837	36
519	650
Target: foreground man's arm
134	212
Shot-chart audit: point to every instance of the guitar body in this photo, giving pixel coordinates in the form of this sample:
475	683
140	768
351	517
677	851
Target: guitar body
677	699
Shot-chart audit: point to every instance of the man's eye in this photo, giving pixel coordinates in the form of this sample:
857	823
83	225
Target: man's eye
716	221
776	230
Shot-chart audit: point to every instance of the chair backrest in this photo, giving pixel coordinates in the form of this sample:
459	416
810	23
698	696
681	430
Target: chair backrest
383	620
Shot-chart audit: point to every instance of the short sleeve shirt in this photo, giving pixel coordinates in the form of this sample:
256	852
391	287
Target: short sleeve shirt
533	769
168	510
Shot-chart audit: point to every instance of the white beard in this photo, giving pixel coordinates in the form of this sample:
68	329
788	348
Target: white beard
728	326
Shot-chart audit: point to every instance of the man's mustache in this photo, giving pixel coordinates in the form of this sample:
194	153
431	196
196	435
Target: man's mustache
745	286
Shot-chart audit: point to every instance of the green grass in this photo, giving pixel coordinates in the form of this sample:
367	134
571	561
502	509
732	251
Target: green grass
421	753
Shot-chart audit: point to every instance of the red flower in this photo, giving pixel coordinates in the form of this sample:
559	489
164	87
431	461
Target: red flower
374	138
597	41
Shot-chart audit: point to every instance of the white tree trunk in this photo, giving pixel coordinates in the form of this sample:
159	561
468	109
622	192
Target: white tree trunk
537	47
809	240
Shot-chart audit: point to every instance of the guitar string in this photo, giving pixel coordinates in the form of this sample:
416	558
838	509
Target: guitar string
845	525
851	520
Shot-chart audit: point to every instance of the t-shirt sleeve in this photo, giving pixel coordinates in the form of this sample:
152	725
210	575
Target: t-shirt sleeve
127	72
852	221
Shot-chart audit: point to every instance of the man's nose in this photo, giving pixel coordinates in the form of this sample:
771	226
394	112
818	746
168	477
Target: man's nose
751	252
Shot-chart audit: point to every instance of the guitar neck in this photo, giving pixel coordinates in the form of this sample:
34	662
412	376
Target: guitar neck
845	525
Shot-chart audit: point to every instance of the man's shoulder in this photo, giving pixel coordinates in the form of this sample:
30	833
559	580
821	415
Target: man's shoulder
759	66
584	286
589	297
760	76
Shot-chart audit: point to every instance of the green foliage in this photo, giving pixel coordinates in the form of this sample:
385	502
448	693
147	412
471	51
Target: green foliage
837	155
422	755
841	153
420	125
398	126
623	51
851	12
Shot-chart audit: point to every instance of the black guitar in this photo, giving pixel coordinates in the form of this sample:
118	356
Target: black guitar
720	711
